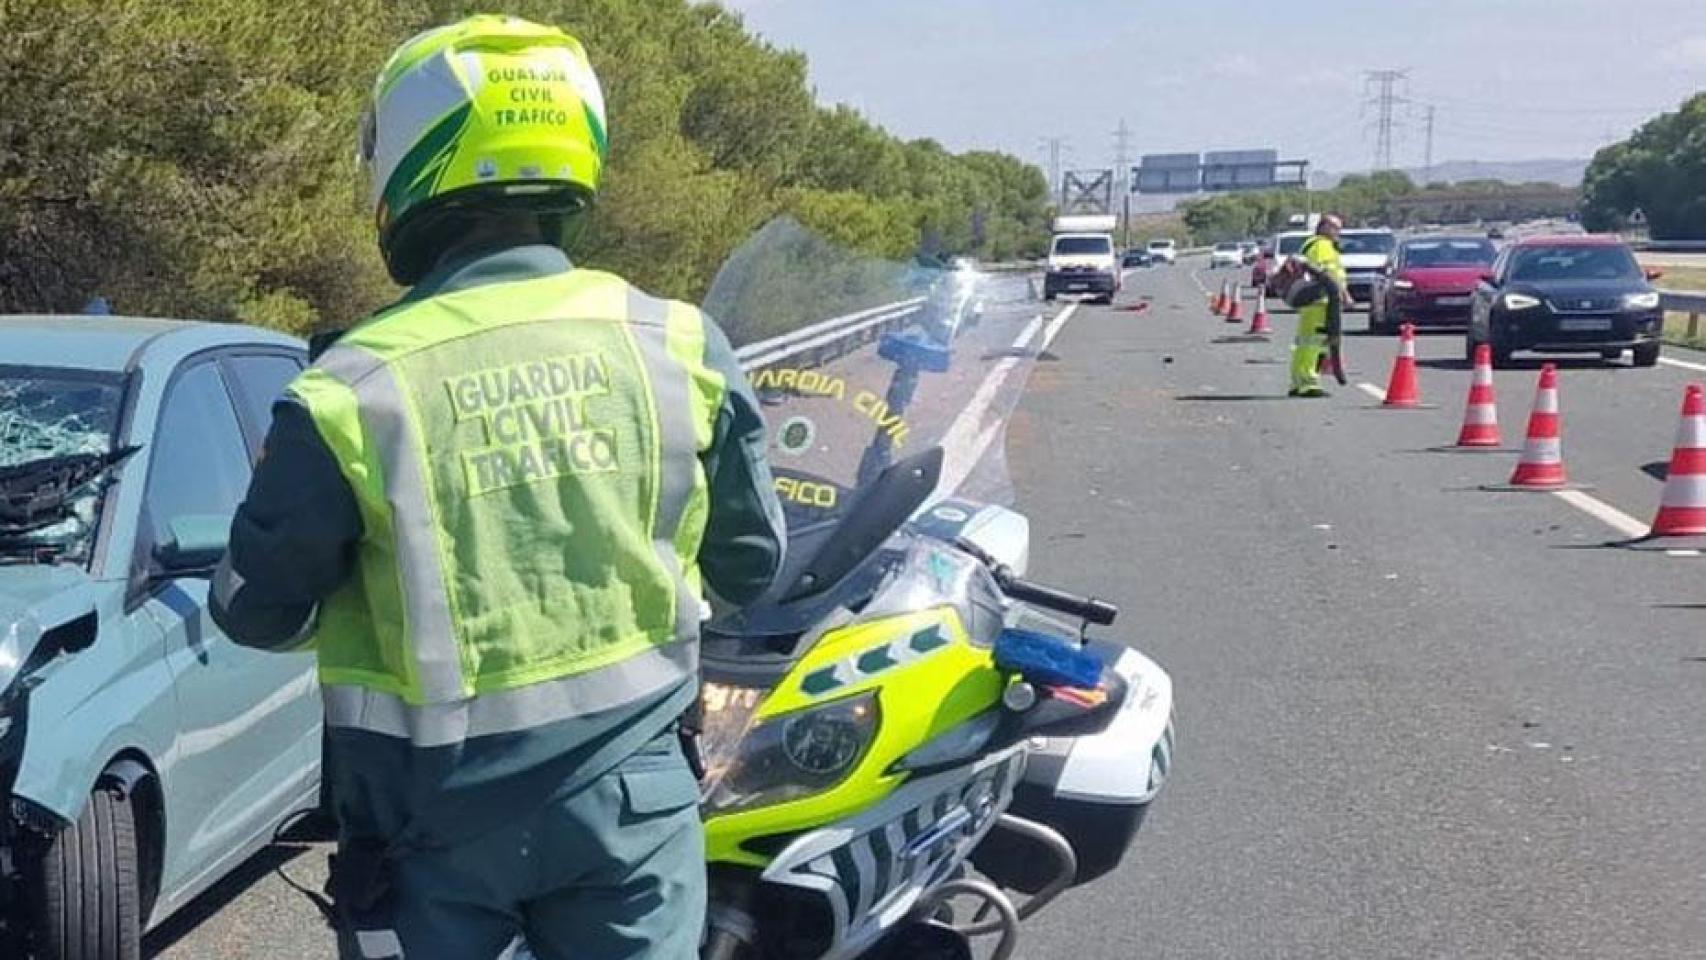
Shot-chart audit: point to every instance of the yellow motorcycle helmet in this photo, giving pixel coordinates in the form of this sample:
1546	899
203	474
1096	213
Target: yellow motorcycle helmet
490	113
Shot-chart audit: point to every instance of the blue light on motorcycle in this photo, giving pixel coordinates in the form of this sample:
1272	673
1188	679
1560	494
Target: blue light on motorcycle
1046	660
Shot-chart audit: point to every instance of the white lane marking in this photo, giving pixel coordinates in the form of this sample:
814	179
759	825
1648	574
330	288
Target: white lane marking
1198	281
1373	391
1603	512
968	439
1683	364
1682	553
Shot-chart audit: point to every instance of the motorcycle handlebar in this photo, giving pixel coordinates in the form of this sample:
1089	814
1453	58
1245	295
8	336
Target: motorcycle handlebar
1091	610
1095	611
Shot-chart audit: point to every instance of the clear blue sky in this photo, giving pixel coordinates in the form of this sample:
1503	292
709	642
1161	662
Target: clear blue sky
1510	79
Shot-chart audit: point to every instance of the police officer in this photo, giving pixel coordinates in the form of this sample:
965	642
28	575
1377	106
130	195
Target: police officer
490	509
1316	321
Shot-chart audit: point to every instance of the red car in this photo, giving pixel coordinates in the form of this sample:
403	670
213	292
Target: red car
1431	282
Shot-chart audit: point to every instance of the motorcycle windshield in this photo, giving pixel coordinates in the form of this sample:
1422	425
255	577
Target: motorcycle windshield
860	362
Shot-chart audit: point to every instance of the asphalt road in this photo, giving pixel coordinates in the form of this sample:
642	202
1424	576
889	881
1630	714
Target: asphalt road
1417	719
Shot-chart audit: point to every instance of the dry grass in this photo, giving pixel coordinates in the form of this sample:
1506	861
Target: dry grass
1677	324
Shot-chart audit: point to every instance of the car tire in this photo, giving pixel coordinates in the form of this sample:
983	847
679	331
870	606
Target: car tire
1647	355
89	886
1501	357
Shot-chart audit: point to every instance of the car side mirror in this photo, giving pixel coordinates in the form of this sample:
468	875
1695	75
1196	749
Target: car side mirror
1653	273
194	544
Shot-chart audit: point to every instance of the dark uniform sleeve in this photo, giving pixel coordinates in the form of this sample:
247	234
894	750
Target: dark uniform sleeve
292	541
744	538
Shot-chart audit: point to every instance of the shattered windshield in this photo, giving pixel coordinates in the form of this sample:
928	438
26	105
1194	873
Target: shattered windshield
57	430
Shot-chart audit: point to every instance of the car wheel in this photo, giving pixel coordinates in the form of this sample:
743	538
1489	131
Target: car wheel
1647	355
89	886
1501	357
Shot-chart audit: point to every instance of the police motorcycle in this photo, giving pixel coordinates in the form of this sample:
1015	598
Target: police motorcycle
908	745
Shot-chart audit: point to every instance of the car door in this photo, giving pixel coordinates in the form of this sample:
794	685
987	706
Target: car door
248	739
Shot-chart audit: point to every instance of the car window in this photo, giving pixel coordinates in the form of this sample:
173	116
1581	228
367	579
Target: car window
1291	244
258	380
1574	263
198	465
1079	245
1367	243
1447	253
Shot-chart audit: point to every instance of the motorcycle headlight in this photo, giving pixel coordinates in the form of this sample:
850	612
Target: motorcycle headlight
793	756
1520	301
1642	301
725	714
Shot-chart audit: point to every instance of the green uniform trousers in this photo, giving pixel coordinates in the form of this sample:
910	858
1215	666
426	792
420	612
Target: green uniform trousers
614	871
1308	347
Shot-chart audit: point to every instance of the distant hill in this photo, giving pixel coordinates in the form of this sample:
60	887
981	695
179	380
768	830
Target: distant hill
1566	173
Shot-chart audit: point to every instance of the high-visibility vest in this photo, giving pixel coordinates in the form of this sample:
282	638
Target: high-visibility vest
1324	253
525	459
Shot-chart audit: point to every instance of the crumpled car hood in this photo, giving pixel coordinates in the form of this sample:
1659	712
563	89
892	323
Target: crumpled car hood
34	600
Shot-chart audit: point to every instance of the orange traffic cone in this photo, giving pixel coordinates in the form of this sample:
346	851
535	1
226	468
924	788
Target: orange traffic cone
1259	320
1481	415
1682	507
1542	463
1401	389
1217	302
1235	310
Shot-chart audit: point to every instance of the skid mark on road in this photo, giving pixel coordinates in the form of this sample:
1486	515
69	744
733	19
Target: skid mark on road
1603	512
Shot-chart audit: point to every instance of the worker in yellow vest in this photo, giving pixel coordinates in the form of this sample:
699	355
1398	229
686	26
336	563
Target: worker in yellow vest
492	510
1316	321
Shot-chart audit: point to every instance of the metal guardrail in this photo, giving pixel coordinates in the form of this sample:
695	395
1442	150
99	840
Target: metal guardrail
825	341
1691	302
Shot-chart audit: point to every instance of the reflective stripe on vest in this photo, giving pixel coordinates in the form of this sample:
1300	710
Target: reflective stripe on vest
510	711
525	456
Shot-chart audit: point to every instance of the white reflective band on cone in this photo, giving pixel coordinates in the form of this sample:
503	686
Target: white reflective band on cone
1691	433
1546	402
1684	490
1543	450
1481	415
